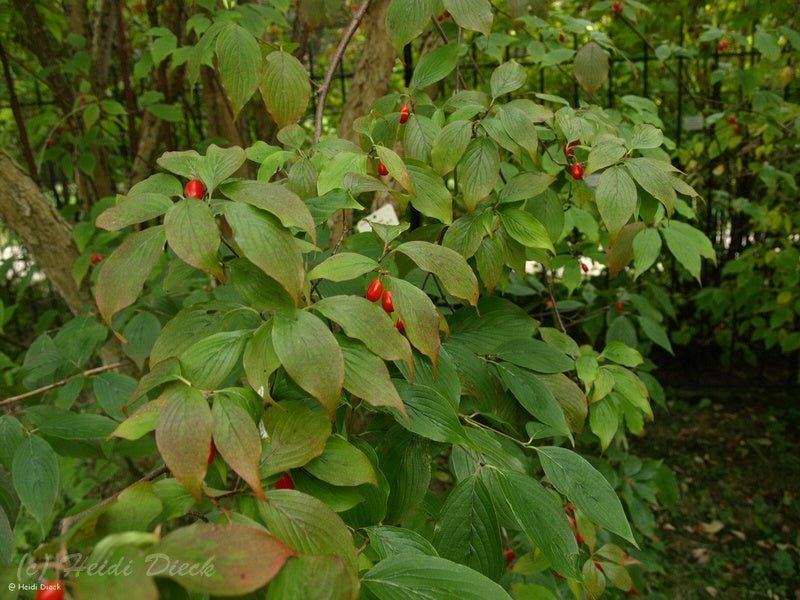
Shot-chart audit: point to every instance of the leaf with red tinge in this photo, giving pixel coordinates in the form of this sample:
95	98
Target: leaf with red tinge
192	233
237	440
620	254
228	560
183	436
419	316
124	273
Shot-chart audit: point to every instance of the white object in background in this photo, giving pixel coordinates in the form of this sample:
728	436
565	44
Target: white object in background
693	122
385	215
592	180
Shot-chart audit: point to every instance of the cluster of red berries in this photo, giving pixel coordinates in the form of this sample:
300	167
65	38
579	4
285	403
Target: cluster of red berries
194	189
52	590
733	121
376	292
616	9
96	258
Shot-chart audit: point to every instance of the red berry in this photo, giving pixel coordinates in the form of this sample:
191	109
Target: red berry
632	592
51	142
285	482
96	258
194	189
374	290
509	554
736	129
559	576
569	151
620	306
723	45
577	171
82	99
598	566
405	112
52	590
579	538
401	327
445	15
571	508
382	170
732	119
562	38
616	9
212	452
584	267
386	302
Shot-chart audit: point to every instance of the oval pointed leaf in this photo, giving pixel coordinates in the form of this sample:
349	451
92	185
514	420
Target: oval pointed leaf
591	67
585	486
448	265
218	164
285	87
183	436
479	171
133	209
192	233
296	433
475	15
283	203
313	577
507	78
124	273
419	316
342	464
208	362
237	439
343	267
239	62
435	66
449	145
526	229
405	20
616	199
366	376
35	474
309	353
535	397
267	245
239	558
431	196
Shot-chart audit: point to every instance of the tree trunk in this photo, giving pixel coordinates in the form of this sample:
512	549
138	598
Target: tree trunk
30	215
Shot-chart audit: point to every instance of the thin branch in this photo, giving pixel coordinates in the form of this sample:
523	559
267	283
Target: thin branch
51	386
20	120
326	83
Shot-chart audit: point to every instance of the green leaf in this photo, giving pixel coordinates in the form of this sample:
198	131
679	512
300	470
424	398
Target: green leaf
585	486
767	45
541	518
475	15
520	128
688	245
184	163
645	136
366	321
468	532
622	354
309	353
507	78
604	421
239	559
208	362
131	582
432	415
275	199
35	474
343	464
308	525
616	199
183	436
449	266
267	245
285	87
591	67
535	397
133	209
297	433
525	186
77	426
417	577
655	178
396	167
11	435
656	333
218	164
646	249
479	170
535	355
389	541
366	376
256	289
490	260
526	229
313	577
142	421
435	65
237	440
406	19
431	196
419	315
449	145
124	273
6	539
193	235
343	267
259	360
239	62
604	155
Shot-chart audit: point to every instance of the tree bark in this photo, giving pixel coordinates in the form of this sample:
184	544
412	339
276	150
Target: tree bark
30	215
373	70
